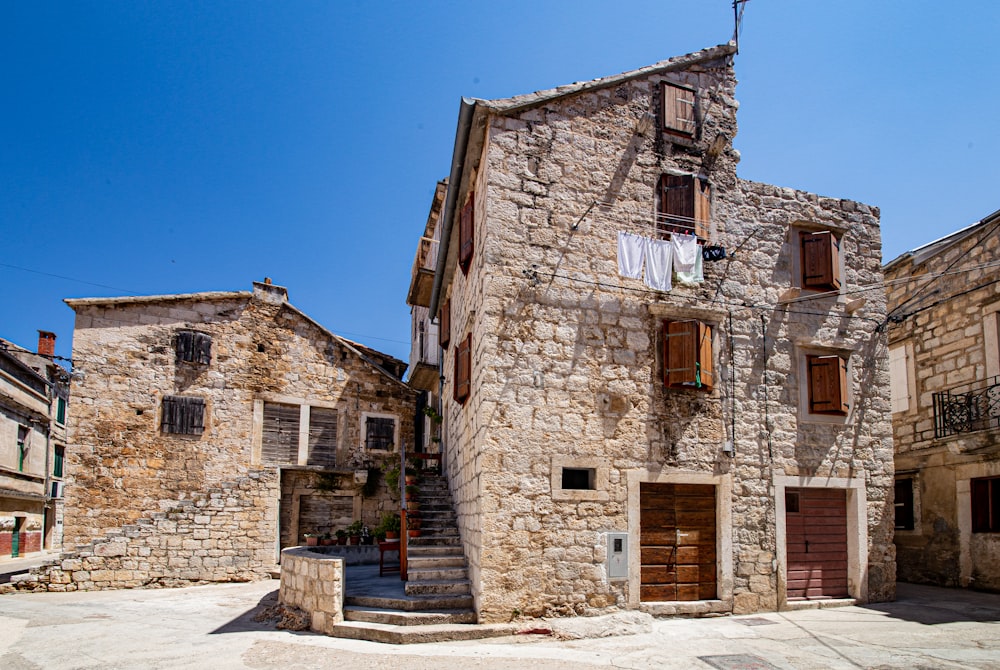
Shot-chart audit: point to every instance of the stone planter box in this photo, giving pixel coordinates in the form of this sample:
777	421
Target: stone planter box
313	581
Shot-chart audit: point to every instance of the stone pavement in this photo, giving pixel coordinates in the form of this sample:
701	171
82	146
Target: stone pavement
214	626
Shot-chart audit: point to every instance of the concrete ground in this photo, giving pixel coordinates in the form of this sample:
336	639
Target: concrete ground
214	627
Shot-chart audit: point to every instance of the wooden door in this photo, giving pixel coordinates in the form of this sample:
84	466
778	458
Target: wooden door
677	536
816	543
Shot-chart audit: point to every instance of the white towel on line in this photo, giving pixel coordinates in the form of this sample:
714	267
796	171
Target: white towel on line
686	251
659	261
631	250
696	275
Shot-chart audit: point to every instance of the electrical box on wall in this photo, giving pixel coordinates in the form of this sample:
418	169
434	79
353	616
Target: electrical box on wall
617	555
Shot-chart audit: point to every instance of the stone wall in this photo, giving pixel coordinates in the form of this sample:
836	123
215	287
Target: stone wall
218	536
567	369
948	327
314	583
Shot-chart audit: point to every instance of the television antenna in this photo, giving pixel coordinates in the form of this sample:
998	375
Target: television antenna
739	6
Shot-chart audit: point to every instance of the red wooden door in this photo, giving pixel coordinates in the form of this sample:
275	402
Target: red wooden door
816	543
677	537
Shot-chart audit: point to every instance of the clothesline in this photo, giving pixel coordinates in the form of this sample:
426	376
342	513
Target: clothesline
661	223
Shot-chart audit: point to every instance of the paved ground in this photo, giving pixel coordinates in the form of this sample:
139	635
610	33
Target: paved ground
213	627
13	566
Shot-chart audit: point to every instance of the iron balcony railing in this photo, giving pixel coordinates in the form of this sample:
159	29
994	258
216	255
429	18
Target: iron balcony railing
967	408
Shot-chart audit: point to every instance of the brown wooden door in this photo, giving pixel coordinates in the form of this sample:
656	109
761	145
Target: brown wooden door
677	538
816	543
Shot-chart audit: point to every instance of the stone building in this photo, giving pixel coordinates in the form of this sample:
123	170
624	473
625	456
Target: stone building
944	353
34	392
214	429
711	435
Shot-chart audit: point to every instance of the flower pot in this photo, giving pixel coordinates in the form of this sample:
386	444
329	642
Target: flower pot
355	539
411	480
413	532
312	541
342	540
326	542
391	535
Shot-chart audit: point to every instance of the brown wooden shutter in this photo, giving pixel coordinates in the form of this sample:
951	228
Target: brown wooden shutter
202	349
827	384
820	261
444	324
678	110
466	234
687	354
702	207
705	372
685	205
463	369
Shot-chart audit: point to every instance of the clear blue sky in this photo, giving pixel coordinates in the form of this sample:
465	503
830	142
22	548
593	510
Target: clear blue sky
171	147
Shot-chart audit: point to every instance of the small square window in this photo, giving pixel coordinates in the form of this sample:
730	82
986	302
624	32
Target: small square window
183	415
380	433
819	261
687	355
578	479
193	347
679	110
792	502
827	384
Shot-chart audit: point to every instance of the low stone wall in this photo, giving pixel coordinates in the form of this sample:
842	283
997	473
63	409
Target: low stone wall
356	554
314	583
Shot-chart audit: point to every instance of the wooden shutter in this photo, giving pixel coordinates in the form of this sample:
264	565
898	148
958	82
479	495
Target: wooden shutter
280	441
687	354
702	207
678	110
194	347
820	260
685	205
322	436
185	345
466	234
827	384
182	415
202	348
463	369
444	324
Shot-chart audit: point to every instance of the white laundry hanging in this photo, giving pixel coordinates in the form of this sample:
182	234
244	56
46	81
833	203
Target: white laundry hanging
659	262
686	251
631	251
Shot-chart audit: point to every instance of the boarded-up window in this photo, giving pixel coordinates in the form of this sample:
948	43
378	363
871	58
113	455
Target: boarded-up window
820	261
899	383
380	433
678	110
687	355
183	415
827	378
685	205
466	234
463	369
280	442
444	318
322	436
194	347
904	504
985	505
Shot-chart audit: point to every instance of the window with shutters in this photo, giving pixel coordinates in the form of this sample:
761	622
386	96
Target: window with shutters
685	205
463	369
904	503
61	410
679	110
58	458
322	436
280	434
182	415
900	377
687	355
22	446
827	384
193	347
444	318
380	433
819	261
466	234
985	504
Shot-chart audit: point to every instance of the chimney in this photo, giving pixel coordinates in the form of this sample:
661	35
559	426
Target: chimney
46	343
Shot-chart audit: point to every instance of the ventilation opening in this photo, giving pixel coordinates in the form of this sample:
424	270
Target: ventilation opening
579	479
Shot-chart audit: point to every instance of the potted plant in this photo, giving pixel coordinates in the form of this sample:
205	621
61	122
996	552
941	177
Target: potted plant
325	540
341	536
412	491
312	539
391	478
354	532
389	527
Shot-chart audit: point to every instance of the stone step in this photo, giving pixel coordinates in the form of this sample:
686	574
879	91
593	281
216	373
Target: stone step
441	587
432	550
390	634
416	562
404	618
413	604
429	541
436	574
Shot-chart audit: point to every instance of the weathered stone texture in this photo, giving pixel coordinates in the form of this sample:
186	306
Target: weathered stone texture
566	354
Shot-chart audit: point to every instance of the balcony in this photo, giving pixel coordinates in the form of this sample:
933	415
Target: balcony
422	279
968	408
425	353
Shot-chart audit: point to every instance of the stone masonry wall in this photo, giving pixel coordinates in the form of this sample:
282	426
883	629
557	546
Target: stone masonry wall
566	364
217	536
314	583
948	324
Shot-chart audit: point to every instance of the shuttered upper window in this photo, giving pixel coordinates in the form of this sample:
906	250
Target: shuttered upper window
194	347
820	261
183	415
280	441
827	379
466	234
687	355
685	205
322	436
444	327
380	433
678	110
463	369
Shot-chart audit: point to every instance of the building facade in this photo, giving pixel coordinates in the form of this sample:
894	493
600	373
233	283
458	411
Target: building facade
34	395
944	317
215	429
664	388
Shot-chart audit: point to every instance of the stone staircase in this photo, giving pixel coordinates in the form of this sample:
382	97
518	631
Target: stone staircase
436	602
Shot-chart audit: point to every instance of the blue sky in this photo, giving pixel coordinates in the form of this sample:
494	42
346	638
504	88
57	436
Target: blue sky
171	147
